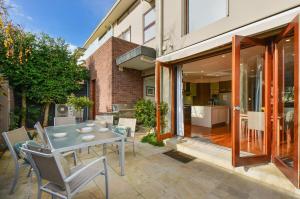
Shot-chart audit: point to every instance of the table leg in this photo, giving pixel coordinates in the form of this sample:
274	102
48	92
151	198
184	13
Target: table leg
122	156
104	149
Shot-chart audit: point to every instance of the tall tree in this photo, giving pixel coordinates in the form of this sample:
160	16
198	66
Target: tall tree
15	50
56	73
17	66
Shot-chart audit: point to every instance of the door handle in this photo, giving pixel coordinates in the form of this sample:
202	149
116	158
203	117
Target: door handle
236	108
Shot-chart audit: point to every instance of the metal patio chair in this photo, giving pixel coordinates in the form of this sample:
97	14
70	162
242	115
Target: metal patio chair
107	119
63	182
129	125
64	121
45	142
11	138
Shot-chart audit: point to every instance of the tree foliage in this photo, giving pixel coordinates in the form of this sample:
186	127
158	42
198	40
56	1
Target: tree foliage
56	73
40	67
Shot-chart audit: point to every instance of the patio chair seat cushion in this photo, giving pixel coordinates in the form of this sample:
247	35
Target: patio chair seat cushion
122	130
18	145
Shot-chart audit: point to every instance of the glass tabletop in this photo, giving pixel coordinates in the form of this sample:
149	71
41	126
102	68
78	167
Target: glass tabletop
73	136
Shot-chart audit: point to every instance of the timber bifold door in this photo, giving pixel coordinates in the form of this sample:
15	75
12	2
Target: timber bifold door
251	84
265	101
286	102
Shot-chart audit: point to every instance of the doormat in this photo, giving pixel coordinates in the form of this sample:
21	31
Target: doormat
181	157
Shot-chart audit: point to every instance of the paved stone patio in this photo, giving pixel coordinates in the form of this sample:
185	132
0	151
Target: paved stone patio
151	174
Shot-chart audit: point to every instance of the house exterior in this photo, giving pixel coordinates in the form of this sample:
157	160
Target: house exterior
227	69
116	76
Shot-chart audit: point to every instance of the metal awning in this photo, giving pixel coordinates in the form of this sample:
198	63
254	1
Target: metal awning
139	58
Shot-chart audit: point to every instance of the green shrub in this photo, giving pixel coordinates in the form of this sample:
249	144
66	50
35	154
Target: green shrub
151	139
145	113
79	102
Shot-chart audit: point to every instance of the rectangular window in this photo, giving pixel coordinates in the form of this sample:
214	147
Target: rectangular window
149	25
200	13
126	35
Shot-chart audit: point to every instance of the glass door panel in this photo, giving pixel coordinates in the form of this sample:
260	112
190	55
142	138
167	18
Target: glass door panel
286	102
250	131
166	100
252	117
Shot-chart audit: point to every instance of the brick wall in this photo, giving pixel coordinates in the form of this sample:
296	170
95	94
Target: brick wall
101	70
113	86
127	84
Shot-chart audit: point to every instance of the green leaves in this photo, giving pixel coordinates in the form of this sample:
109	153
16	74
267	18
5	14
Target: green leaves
55	74
145	113
79	102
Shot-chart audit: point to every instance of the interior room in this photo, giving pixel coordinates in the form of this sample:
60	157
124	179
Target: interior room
207	91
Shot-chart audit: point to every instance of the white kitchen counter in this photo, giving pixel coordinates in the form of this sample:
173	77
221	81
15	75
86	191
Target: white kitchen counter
208	116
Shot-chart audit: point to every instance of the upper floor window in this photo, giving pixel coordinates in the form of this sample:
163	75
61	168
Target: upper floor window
126	35
149	25
200	13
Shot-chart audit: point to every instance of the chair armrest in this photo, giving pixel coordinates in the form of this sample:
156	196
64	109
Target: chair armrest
68	153
72	176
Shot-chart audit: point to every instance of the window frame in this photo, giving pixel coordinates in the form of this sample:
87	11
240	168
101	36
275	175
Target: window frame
126	30
186	16
149	25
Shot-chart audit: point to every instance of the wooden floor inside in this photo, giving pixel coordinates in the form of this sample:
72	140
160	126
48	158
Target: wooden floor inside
222	136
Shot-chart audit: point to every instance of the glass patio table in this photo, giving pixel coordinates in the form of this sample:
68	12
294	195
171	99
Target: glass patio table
73	140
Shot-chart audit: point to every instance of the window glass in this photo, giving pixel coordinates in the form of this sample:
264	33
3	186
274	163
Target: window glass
126	35
149	17
203	12
149	25
149	33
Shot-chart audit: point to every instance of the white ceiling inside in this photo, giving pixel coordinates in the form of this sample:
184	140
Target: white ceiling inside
217	68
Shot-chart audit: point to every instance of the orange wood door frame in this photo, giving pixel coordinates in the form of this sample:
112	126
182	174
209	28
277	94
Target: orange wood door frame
157	98
237	160
158	69
291	173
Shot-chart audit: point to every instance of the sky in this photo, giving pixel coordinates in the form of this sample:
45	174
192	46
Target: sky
72	20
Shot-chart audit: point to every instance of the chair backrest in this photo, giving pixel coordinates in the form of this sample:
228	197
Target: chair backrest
13	137
46	164
256	120
64	121
128	122
41	133
109	119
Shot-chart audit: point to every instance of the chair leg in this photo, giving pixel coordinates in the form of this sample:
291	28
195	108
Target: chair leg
104	149
75	158
133	146
29	171
39	193
15	180
106	178
118	149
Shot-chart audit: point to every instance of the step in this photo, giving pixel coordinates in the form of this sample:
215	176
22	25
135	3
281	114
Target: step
221	156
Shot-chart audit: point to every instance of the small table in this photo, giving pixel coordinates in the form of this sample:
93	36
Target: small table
74	141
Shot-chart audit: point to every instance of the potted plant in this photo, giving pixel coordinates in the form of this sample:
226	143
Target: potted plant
79	103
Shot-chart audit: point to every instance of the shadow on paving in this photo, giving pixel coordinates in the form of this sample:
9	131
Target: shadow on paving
150	174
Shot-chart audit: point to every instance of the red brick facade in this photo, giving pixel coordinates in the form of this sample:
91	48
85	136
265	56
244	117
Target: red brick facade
112	85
